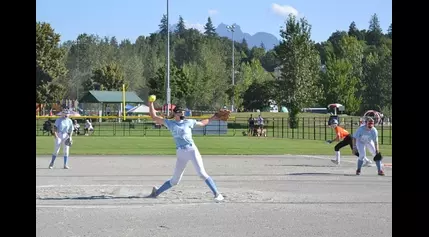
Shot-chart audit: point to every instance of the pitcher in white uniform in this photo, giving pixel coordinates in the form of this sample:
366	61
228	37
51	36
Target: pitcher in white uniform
63	130
181	129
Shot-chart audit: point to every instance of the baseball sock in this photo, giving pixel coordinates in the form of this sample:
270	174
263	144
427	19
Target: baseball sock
53	159
360	163
378	163
164	187
65	160
337	156
209	181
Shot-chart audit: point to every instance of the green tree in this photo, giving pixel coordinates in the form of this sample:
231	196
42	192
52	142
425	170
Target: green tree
340	85
49	64
269	61
355	32
181	27
298	85
351	49
163	26
109	77
210	30
335	39
389	31
206	63
179	84
375	33
256	53
257	95
343	73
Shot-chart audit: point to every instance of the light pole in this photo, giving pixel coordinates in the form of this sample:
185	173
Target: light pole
231	28
168	92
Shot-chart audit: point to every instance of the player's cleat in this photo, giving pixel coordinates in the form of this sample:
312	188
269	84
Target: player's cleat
153	193
357	172
51	166
66	167
218	197
381	173
335	162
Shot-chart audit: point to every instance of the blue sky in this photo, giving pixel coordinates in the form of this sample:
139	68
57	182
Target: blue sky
132	18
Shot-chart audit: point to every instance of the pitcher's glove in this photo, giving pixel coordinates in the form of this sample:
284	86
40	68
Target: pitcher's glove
223	114
378	157
68	142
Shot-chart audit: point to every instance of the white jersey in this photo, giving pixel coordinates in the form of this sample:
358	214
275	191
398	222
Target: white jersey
88	125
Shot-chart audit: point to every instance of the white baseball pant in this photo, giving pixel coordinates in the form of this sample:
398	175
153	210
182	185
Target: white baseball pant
190	153
62	137
361	147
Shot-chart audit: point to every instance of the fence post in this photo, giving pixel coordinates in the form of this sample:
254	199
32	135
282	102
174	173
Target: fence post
382	133
218	128
235	124
325	124
287	127
277	126
273	127
390	132
282	127
293	133
303	126
314	128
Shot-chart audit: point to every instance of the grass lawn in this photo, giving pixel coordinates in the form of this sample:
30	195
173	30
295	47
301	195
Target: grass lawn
207	145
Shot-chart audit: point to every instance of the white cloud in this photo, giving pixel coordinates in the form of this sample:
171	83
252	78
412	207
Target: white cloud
197	26
283	10
213	12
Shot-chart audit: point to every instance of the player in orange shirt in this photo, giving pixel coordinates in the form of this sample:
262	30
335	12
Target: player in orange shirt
344	138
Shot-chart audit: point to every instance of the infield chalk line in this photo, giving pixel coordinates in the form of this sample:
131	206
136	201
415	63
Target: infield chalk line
90	185
342	160
91	206
324	158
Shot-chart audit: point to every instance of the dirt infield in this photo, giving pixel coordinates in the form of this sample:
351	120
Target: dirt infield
264	196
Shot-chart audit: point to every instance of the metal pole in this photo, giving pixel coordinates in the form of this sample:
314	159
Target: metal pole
78	69
168	64
233	73
231	28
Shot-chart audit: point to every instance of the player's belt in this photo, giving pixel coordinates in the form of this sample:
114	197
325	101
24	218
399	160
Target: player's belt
184	147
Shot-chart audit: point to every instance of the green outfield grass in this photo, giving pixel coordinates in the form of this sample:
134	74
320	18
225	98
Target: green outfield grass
93	145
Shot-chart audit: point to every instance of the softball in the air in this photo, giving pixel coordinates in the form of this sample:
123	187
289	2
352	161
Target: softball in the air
152	98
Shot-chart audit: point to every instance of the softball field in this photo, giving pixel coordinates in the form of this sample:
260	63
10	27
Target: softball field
275	195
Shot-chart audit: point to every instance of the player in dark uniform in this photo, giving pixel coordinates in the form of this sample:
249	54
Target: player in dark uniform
251	122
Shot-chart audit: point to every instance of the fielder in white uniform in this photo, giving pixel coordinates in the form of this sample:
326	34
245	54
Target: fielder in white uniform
367	137
181	129
63	129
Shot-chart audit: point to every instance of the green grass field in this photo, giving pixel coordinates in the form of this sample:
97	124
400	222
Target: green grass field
93	145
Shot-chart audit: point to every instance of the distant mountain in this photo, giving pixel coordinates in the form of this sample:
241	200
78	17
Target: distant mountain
269	40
